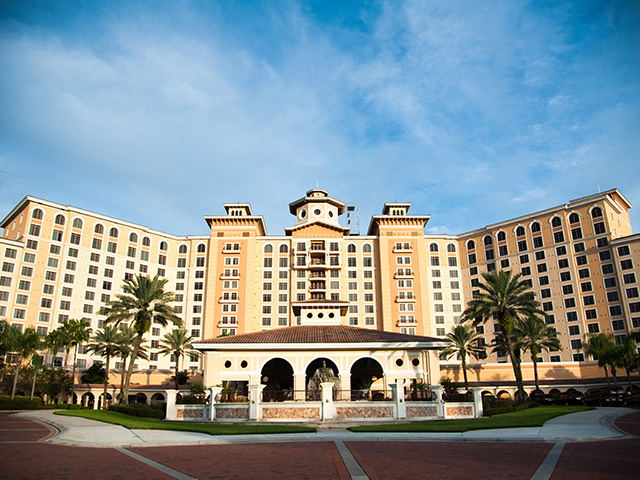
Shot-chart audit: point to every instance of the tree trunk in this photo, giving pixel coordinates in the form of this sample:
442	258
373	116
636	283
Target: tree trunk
614	372
122	375
176	383
106	382
73	374
516	367
127	379
464	372
33	383
534	358
15	378
606	374
628	370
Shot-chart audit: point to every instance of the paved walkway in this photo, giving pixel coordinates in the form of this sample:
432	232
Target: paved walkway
575	427
580	446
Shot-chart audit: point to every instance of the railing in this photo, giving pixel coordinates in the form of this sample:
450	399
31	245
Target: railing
369	395
419	396
233	397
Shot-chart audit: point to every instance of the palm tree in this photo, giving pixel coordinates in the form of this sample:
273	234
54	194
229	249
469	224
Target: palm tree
38	365
54	342
23	344
127	338
78	332
533	334
465	341
106	343
505	298
143	300
178	343
628	353
600	346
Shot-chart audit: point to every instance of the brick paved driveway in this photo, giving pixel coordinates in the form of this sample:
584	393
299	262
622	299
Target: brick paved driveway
24	455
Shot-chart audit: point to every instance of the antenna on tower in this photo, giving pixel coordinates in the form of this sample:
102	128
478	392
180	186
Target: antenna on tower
598	185
353	218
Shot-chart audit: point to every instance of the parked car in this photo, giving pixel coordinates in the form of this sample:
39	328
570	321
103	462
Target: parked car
606	397
570	397
541	398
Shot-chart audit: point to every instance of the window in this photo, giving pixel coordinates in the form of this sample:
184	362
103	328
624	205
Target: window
588	300
574	330
567	289
615	311
542	267
579	247
607	269
543	280
591	314
572	316
576	344
623	250
629	278
624	264
586	287
569	302
562	250
617	324
610	283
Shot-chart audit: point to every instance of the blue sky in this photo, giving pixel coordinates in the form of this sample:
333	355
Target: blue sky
475	112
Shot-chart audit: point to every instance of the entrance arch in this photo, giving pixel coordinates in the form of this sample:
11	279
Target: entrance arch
277	376
367	377
322	366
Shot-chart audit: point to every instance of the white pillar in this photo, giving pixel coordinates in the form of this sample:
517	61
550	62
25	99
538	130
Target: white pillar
345	387
299	387
327	400
255	392
438	389
213	399
397	389
478	408
172	413
95	401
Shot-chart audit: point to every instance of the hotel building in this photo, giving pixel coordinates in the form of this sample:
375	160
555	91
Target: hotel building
581	259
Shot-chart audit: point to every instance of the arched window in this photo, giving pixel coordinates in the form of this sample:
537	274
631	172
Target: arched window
60	219
37	214
146	242
133	237
268	248
77	223
520	231
451	248
163	246
99	229
556	222
502	236
284	248
471	245
433	247
351	248
488	241
202	248
596	212
574	218
182	249
366	248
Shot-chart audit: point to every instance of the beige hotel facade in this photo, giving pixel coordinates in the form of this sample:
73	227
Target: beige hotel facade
581	258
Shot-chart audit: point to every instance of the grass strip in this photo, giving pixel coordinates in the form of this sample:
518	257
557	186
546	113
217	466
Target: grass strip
142	423
532	417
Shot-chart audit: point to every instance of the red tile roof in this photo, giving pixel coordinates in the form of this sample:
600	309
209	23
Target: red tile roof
321	334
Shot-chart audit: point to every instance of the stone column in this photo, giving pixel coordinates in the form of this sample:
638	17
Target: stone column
397	389
438	390
172	413
213	400
478	408
96	400
299	387
255	394
327	400
345	387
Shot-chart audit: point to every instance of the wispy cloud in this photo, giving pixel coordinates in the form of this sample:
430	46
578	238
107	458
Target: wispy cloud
473	112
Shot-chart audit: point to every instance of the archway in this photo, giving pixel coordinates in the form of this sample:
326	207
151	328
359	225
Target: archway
101	400
504	394
157	398
141	398
277	376
367	379
320	366
87	400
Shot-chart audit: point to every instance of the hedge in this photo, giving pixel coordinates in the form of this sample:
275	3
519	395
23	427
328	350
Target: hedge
138	411
19	403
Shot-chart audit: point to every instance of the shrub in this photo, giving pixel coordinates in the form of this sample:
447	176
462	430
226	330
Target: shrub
19	403
150	412
507	406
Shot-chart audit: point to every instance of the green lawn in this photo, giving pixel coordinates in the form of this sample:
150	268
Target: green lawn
532	417
141	423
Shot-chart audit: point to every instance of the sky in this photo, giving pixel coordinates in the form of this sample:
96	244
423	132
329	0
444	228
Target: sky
476	112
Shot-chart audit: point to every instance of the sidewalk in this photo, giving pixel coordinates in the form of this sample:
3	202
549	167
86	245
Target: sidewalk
575	427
